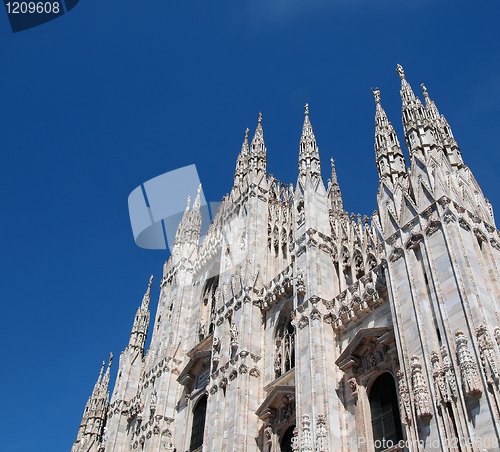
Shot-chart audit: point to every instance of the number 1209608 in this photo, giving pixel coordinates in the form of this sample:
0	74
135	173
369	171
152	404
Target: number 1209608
32	7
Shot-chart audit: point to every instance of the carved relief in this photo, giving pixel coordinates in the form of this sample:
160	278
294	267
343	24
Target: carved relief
295	440
306	438
449	374
216	350
488	358
420	390
321	434
404	398
233	330
468	368
497	335
354	387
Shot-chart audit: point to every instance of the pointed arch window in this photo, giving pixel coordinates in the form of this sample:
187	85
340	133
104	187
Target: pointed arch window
384	409
285	348
198	428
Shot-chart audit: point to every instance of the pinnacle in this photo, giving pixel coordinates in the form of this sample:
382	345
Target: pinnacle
244	146
197	200
401	72
258	139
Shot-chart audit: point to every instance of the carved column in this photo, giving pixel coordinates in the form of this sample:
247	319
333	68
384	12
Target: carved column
420	390
468	368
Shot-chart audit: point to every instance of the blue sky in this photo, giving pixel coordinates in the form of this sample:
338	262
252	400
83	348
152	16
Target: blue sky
115	93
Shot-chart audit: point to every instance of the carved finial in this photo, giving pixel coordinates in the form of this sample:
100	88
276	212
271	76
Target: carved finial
260	117
376	94
197	200
150	282
400	71
188	203
111	354
306	110
246	134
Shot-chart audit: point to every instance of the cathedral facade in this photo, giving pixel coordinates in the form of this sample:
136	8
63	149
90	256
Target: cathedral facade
294	326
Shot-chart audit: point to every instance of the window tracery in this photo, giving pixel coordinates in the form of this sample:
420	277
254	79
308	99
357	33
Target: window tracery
285	348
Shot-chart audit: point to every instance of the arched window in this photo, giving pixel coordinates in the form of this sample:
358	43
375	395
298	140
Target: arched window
286	440
285	348
386	421
198	429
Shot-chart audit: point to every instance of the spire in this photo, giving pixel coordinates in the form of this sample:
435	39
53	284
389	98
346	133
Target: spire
334	172
334	193
146	298
242	161
141	321
413	110
389	157
309	162
98	382
197	200
258	159
441	132
95	413
105	380
430	106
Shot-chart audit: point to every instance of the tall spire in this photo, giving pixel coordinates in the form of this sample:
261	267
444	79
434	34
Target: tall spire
441	132
309	162
242	161
389	157
197	200
334	172
413	114
146	298
141	321
94	416
105	380
258	155
334	193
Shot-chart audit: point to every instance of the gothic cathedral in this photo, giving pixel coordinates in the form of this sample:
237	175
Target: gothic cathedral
296	327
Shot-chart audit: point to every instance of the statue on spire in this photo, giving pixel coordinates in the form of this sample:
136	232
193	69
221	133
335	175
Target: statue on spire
400	71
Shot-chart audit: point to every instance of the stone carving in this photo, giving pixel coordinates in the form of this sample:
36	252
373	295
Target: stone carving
234	336
306	439
396	254
303	322
216	350
321	438
497	335
254	372
404	398
420	390
154	399
488	358
468	368
269	434
295	440
449	374
354	387
440	386
300	286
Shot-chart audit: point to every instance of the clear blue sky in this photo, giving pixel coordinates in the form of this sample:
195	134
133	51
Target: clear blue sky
117	92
